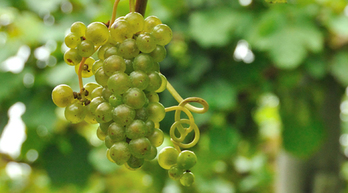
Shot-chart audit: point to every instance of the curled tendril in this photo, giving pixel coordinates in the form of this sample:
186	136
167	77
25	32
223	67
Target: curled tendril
186	107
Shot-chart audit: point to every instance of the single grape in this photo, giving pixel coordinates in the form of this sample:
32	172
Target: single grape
72	40
106	93
90	118
141	114
96	65
134	163
139	79
163	83
108	141
187	178
117	132
78	28
157	137
100	134
143	62
113	64
119	83
155	81
113	50
123	114
167	157
98	33
156	112
135	21
129	66
136	129
128	49
97	92
119	30
186	159
85	48
152	154
101	78
102	49
162	33
146	42
134	98
86	68
120	152
152	96
103	112
62	95
156	67
150	128
72	57
108	156
75	112
159	53
140	147
115	100
150	22
175	173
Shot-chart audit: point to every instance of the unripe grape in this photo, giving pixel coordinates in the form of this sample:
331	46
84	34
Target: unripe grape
136	129
129	66
62	95
156	112
152	96
72	40
157	137
187	179
113	50
150	22
123	114
155	81
103	112
140	147
186	159
108	141
117	132
139	79
119	30
150	128
100	134
134	98
96	65
95	102
98	33
101	78
97	92
78	28
119	83
75	112
175	173
141	114
162	33
89	87
105	126
159	53
146	42
135	163
163	83
152	154
102	49
85	48
135	21
167	157
72	57
128	49
90	118
115	100
120	152
143	62
86	68
113	64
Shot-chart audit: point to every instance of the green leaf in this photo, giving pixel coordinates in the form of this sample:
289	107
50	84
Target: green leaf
223	140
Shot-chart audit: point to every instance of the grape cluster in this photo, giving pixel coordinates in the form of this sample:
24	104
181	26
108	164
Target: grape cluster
124	99
178	164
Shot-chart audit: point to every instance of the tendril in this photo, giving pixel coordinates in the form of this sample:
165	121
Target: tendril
178	125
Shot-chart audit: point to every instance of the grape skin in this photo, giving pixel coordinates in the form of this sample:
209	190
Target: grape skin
62	95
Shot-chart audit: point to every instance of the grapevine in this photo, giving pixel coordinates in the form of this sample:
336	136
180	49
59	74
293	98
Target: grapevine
124	99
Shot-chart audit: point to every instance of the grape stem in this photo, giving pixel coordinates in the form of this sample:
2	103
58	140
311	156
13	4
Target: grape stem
113	15
140	6
131	6
79	73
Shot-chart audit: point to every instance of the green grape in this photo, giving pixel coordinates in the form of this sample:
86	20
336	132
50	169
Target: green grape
152	154
167	157
141	114
150	128
146	42
72	40
129	66
150	22
128	49
62	95
155	81
187	178
98	33
96	65
75	112
115	100
162	33
135	21
163	83
156	67
105	126
119	83
103	112
119	30
90	118
108	141
120	152
100	134
95	102
175	173
86	68
140	147
85	48
134	98
89	87
186	159
106	93
139	79
101	78
156	111
143	62
113	50
116	132
157	137
108	156
114	63
102	50
152	96
78	28
72	57
123	114
97	92
159	53
136	129
135	163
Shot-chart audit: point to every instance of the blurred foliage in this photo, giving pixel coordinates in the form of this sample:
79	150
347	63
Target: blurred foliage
263	97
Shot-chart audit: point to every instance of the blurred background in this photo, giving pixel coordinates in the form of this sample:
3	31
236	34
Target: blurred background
275	76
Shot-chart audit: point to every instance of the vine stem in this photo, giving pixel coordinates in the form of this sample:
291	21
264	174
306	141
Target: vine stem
140	6
79	73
